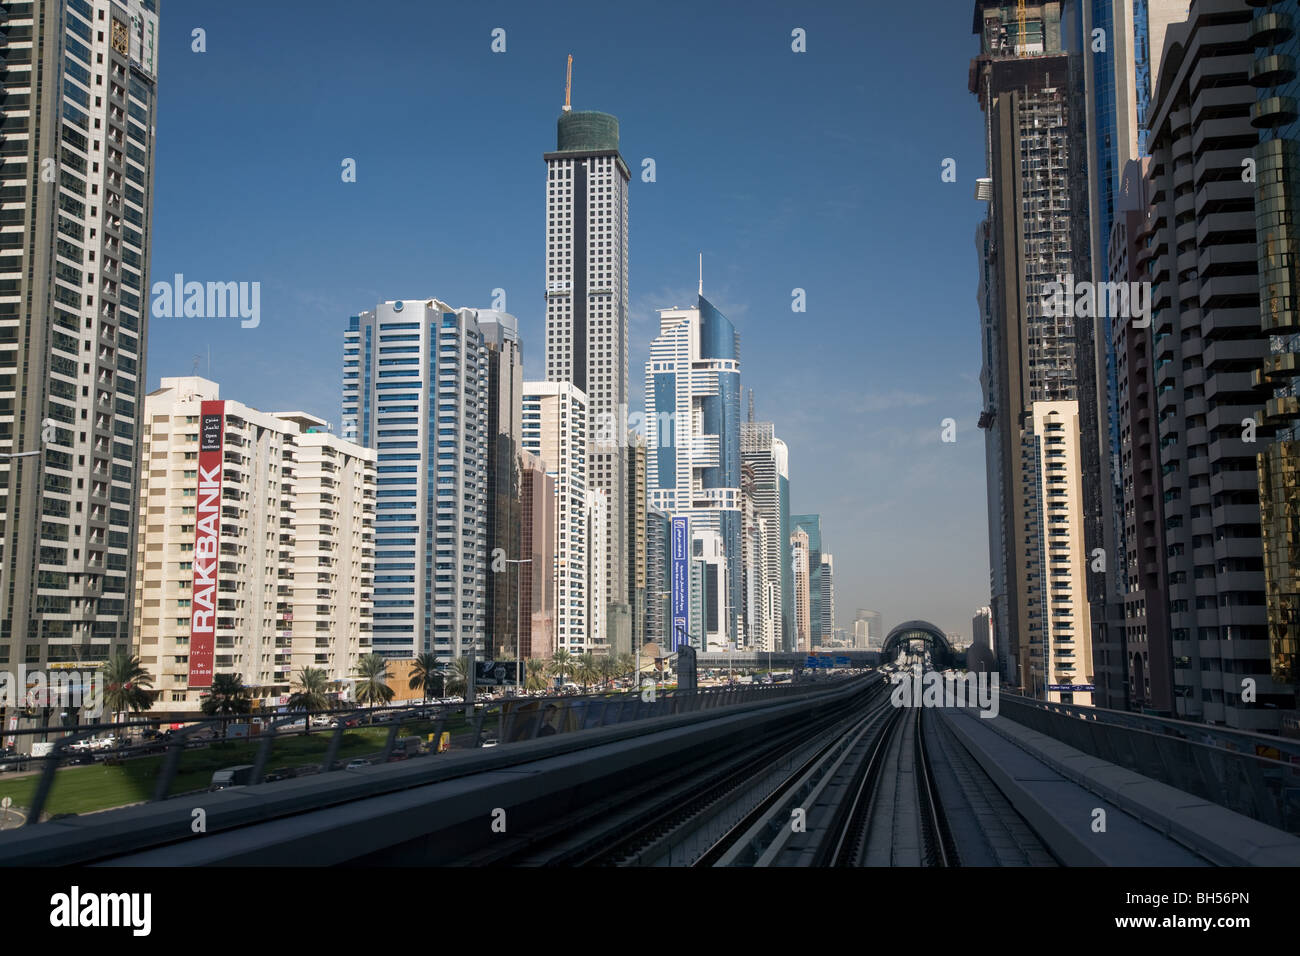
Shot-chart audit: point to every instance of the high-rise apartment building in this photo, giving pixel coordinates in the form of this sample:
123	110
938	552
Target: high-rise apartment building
759	591
1135	667
1117	85
255	542
658	576
637	516
554	423
505	379
981	633
598	609
867	630
693	423
587	311
826	587
76	168
812	526
769	457
1277	169
537	545
1208	346
332	531
416	390
802	594
1035	349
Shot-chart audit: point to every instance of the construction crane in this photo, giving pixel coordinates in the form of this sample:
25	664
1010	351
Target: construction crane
568	83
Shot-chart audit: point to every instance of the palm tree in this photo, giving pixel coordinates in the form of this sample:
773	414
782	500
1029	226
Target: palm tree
457	682
587	670
608	668
423	672
626	666
226	697
126	685
311	694
372	688
535	674
561	664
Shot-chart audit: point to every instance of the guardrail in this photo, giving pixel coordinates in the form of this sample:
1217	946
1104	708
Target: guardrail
517	718
1194	758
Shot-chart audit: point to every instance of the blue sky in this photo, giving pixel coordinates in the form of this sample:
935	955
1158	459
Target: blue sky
816	170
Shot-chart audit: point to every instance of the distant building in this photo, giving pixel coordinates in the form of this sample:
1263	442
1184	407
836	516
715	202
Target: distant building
769	458
802	596
812	526
981	628
868	633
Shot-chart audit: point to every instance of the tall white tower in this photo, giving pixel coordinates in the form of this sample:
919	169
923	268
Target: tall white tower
586	310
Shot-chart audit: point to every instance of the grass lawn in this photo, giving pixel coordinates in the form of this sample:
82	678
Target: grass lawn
102	786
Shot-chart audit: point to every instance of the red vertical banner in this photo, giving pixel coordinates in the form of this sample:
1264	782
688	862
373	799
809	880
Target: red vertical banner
207	544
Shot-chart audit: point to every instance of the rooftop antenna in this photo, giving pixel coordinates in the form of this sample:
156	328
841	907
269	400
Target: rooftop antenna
568	83
701	273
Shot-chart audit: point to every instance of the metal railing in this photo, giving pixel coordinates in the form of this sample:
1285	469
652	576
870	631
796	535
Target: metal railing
1252	774
516	719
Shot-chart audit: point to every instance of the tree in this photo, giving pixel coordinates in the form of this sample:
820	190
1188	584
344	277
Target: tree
126	685
372	688
608	668
457	682
561	664
225	698
535	674
587	670
626	666
312	692
424	672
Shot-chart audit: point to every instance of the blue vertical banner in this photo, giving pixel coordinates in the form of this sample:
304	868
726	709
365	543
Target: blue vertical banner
681	583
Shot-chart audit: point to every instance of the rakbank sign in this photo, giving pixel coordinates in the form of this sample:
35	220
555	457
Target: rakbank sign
207	544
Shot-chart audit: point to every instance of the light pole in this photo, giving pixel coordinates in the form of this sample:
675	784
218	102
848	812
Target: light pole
519	579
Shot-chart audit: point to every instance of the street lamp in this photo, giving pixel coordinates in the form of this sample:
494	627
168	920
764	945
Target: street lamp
519	578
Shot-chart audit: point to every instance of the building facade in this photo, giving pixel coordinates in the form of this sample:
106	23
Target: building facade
587	311
769	458
76	167
537	512
255	547
693	431
1208	346
799	554
415	389
505	380
554	424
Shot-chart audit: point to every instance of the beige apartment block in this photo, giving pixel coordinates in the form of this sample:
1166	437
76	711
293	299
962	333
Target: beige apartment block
293	553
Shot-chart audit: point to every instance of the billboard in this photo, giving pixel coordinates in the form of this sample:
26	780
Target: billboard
681	583
496	673
207	544
144	38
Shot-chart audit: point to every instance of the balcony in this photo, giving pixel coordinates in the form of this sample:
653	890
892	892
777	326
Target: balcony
1272	70
1270	29
1273	111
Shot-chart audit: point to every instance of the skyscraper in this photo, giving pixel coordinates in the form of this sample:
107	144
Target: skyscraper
658	576
769	457
555	430
811	525
693	429
802	590
1277	161
586	310
1209	348
415	389
826	604
78	159
1034	350
637	515
537	544
505	378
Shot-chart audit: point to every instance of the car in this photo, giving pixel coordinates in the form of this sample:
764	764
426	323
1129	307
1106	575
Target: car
357	764
491	742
